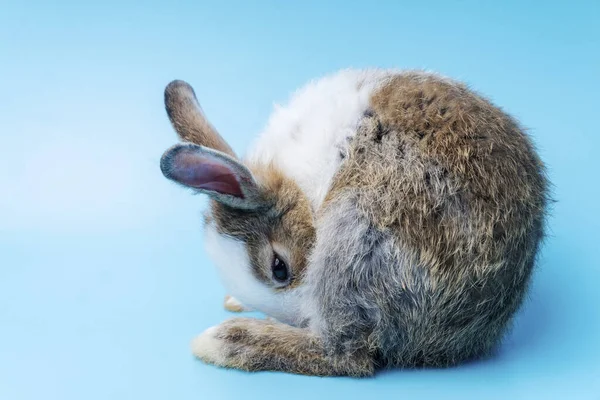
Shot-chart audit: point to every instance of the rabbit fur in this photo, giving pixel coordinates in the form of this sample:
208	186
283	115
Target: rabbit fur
407	210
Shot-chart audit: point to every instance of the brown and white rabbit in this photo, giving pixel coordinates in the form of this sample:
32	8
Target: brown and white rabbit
383	218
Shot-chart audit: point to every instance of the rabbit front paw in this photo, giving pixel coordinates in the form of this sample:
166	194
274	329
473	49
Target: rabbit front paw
234	305
232	343
209	347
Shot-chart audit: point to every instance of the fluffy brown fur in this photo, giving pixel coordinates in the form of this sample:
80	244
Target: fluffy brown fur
454	182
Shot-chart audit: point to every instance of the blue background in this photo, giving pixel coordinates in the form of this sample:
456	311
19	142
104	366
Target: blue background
103	279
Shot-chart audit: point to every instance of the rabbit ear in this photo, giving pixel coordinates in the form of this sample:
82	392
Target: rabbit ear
214	173
188	119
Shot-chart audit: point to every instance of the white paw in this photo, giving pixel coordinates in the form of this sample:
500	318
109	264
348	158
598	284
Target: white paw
233	304
208	347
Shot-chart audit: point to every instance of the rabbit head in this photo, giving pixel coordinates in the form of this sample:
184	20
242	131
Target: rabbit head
259	227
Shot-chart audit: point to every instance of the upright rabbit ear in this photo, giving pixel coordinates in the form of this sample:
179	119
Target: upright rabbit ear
214	173
188	119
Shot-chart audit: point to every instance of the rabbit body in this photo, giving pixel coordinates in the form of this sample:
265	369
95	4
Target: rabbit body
406	210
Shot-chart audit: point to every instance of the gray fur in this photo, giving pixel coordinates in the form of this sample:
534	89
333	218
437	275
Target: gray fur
369	293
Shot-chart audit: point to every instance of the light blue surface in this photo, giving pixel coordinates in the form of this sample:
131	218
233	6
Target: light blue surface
103	281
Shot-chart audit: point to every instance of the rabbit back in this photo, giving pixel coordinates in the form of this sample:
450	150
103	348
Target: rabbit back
428	235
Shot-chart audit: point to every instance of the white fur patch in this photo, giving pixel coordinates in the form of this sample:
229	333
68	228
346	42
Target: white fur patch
304	138
207	347
233	264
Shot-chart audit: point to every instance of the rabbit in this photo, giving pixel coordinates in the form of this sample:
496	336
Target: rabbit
383	219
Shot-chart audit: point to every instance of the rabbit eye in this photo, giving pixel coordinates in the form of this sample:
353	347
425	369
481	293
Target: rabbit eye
279	269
